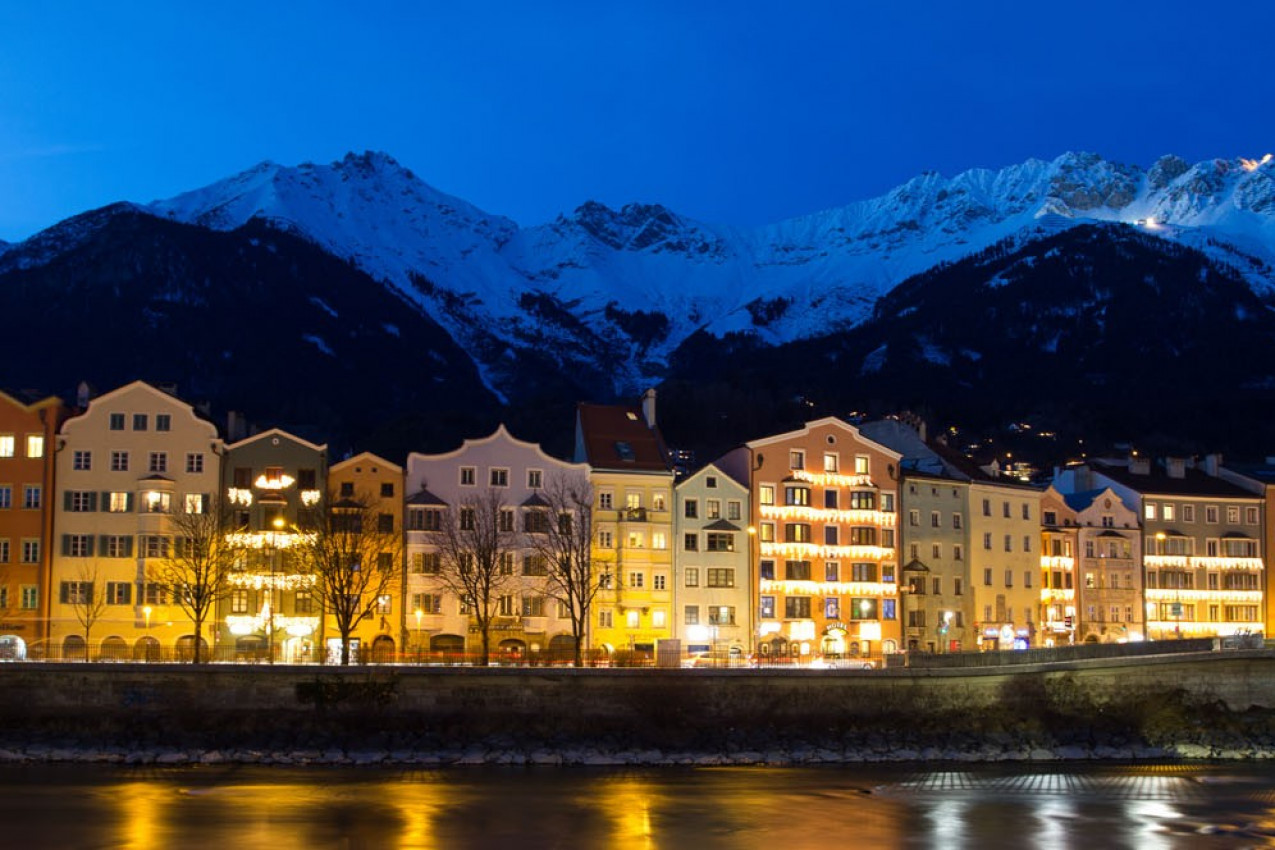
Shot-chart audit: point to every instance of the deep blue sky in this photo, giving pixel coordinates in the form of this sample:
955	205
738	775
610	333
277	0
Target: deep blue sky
737	112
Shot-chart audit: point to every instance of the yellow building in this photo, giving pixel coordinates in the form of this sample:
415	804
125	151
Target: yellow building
372	481
633	527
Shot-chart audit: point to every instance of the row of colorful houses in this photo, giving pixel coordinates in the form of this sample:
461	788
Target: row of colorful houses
828	543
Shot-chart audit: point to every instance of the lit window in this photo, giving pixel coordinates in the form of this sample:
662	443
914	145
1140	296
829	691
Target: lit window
632	619
6	445
35	445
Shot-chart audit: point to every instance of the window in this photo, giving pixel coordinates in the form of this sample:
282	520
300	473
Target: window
690	509
1250	515
861	465
831	571
767	532
385	523
831	535
632	619
606	500
797	532
721	615
534	565
720	577
467	519
533	606
77	545
766	570
659	540
861	500
4	550
35	445
720	541
659	581
31	497
796	459
637	579
1027	578
690	541
691	616
987	576
1027	511
1009	543
957	586
632	500
987	540
139	421
119	461
239	601
734	509
936	519
1232	515
1005	510
606	539
692	576
117	422
1148	510
1188	513
468	476
158	462
6	445
863	536
714	507
119	593
830	462
76	593
797	608
797	495
987	507
914	517
637	540
29	596
657	501
6	496
710	481
797	570
1049	518
936	551
863	572
768	607
1211	513
156	546
80	501
766	494
155	502
1009	578
1027	543
163	422
498	477
535	479
118	546
30	551
1169	514
958	552
120	503
830	499
606	618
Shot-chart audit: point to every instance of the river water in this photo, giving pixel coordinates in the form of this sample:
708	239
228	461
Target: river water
244	808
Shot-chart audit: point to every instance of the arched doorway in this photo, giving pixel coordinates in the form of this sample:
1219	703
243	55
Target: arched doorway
73	648
447	649
562	649
12	648
146	649
186	648
383	650
113	649
511	651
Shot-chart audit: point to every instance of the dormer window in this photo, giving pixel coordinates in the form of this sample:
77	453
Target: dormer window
625	450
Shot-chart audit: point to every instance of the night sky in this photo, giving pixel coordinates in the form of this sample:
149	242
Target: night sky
732	112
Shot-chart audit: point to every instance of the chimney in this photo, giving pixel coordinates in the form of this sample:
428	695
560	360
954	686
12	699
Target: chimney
1139	466
82	395
1212	465
235	427
648	408
1175	467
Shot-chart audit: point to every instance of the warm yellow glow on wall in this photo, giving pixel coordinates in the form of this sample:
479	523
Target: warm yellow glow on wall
801	551
828	588
811	514
1057	562
832	479
1166	594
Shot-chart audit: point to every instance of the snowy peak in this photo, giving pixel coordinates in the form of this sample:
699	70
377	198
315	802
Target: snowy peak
641	227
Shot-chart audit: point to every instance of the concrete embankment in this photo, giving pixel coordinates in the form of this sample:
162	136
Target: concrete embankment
1207	705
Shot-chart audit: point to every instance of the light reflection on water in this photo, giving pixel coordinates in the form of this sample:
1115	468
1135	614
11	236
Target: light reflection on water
233	808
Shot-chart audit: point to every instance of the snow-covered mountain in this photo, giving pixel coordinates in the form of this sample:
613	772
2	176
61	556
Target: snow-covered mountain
623	288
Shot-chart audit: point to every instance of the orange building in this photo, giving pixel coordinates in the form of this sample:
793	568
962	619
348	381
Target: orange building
26	521
826	555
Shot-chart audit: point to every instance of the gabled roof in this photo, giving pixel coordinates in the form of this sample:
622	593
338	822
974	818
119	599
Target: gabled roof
1083	499
425	498
616	437
30	407
364	457
277	432
721	525
535	500
1159	483
826	422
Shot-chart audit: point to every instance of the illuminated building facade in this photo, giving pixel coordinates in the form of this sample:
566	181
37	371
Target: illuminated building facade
936	602
372	482
823	503
1005	562
276	485
125	466
1259	479
529	623
713	579
1204	573
1059	586
633	526
27	431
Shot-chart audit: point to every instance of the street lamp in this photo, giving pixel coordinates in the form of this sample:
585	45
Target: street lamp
419	614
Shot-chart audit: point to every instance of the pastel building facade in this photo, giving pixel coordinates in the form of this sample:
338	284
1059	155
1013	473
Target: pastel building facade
125	466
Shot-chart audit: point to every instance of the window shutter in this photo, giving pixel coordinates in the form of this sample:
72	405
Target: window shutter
66	545
88	544
128	546
105	500
128	502
205	502
66	502
102	544
63	593
92	501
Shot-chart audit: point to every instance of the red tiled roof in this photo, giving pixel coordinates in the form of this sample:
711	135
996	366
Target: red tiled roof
616	437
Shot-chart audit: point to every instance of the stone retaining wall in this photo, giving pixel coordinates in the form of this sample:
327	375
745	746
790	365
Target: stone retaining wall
1208	705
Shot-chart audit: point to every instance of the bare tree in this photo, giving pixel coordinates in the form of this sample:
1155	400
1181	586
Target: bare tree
352	560
85	600
476	542
564	540
197	570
